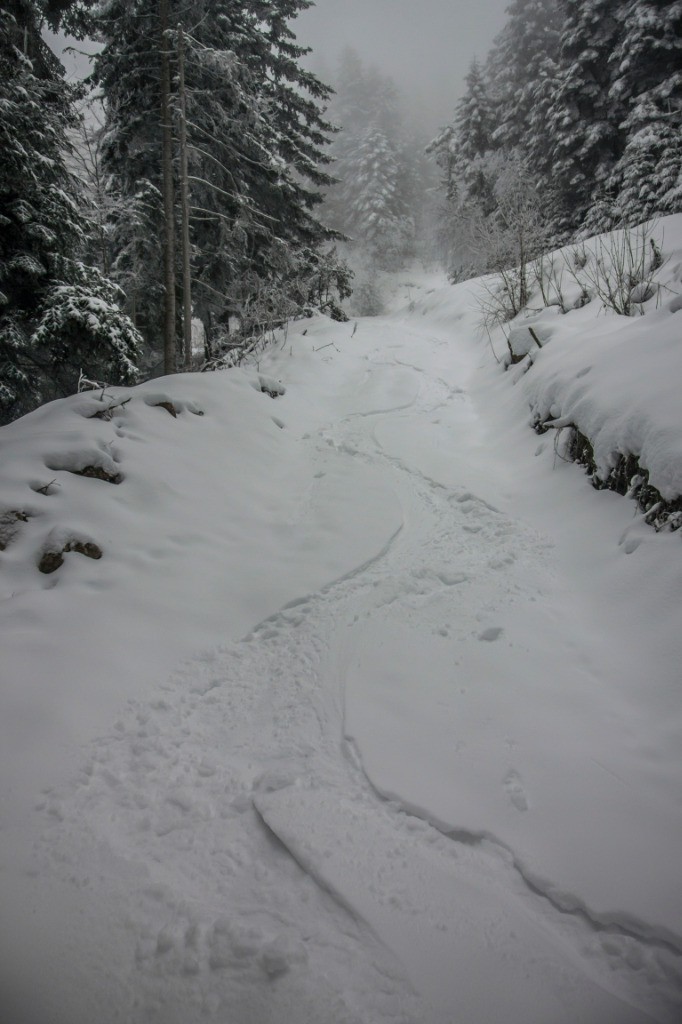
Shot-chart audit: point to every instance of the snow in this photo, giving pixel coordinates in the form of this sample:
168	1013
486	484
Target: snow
369	710
617	381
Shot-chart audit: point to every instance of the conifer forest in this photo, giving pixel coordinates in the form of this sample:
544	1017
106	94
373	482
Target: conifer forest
200	171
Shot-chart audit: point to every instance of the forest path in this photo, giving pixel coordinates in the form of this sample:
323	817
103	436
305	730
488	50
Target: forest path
327	820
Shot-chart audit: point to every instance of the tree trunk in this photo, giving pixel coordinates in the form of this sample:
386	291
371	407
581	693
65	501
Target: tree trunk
184	200
169	354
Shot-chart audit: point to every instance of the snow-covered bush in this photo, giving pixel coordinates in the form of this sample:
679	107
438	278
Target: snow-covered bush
56	314
81	328
367	297
325	281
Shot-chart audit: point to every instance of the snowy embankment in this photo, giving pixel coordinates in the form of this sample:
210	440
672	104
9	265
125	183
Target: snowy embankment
421	761
613	377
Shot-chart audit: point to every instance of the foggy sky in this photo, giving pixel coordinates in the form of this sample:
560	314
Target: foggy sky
426	46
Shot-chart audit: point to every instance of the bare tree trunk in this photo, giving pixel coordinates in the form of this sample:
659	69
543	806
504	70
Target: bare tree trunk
169	354
184	200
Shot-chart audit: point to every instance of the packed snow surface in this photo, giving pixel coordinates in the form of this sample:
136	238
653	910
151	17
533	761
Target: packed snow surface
349	701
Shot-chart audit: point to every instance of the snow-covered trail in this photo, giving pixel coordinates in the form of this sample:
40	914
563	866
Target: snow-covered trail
378	805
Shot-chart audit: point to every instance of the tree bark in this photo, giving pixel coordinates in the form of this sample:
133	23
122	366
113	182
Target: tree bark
184	202
169	347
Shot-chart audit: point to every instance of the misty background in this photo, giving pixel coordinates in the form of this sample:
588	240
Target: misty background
424	47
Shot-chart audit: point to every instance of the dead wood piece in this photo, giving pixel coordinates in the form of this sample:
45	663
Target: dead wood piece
107	414
169	407
98	473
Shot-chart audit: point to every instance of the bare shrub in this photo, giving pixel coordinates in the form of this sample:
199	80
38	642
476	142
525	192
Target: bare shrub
621	270
549	281
507	241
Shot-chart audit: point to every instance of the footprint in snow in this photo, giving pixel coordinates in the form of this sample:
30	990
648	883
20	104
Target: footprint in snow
516	791
491	634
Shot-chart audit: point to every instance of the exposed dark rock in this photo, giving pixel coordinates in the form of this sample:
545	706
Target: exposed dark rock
51	560
98	473
9	525
627	477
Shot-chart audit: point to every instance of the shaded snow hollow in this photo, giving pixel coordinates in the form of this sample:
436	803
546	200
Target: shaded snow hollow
368	711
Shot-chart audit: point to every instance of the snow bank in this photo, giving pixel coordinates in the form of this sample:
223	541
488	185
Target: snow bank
207	520
613	377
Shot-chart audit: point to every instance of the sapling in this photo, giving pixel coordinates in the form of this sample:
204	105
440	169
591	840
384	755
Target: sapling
621	272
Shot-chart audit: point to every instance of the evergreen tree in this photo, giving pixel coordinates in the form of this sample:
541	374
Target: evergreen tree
585	97
583	118
474	116
57	314
375	198
646	69
376	213
474	143
443	149
353	110
464	148
522	72
255	143
537	143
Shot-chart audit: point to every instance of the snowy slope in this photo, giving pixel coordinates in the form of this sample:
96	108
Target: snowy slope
421	759
614	377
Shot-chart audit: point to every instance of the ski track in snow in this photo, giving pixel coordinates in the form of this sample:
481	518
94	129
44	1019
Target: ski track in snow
260	873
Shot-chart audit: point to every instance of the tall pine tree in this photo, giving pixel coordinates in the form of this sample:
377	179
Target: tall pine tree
586	97
646	78
256	138
583	119
374	201
464	148
58	315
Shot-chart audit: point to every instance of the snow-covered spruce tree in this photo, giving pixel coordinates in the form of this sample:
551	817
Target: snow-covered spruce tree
375	199
124	241
473	141
376	214
256	139
646	79
528	40
466	153
297	135
443	149
500	126
583	118
586	95
57	315
521	70
463	149
351	109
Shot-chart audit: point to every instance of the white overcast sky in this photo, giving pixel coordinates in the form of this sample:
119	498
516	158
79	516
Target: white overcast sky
426	46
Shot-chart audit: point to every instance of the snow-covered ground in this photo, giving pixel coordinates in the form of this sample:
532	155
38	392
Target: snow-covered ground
369	710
